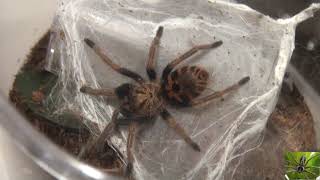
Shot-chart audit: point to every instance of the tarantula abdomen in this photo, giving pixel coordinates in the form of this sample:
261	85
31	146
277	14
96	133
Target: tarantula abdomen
185	84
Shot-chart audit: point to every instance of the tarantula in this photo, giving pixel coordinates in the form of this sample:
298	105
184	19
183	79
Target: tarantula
145	100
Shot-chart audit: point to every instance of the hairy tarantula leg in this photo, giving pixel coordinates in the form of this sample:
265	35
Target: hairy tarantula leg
187	54
310	173
294	160
312	158
152	51
97	92
306	176
96	144
218	94
173	124
293	170
312	167
133	129
114	66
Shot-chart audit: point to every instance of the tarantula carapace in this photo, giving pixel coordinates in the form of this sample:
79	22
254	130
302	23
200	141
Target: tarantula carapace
145	100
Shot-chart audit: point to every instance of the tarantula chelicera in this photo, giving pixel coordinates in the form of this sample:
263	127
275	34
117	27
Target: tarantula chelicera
145	100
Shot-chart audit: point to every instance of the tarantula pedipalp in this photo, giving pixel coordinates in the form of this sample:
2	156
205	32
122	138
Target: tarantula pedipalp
145	100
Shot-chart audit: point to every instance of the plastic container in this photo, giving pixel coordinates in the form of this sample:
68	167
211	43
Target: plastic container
25	153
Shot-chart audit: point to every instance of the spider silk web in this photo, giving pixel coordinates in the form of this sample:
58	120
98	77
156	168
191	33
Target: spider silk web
253	45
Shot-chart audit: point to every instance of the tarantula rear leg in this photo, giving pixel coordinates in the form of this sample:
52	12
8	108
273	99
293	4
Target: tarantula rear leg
133	129
95	145
179	130
207	99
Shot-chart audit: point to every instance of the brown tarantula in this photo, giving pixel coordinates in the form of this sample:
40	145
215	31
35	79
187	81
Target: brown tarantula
145	100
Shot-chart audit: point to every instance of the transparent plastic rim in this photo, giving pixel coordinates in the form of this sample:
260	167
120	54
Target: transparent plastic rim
48	156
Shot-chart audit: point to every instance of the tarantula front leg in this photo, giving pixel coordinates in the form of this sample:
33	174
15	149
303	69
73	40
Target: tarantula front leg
187	54
206	99
114	66
179	130
152	51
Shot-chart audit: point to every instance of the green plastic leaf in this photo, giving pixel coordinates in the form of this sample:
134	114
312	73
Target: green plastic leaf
33	87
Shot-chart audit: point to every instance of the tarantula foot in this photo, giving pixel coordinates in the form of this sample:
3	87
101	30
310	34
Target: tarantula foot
159	31
128	169
85	89
195	147
244	80
89	42
216	44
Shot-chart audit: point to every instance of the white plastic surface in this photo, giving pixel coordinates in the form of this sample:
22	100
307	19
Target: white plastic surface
22	24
